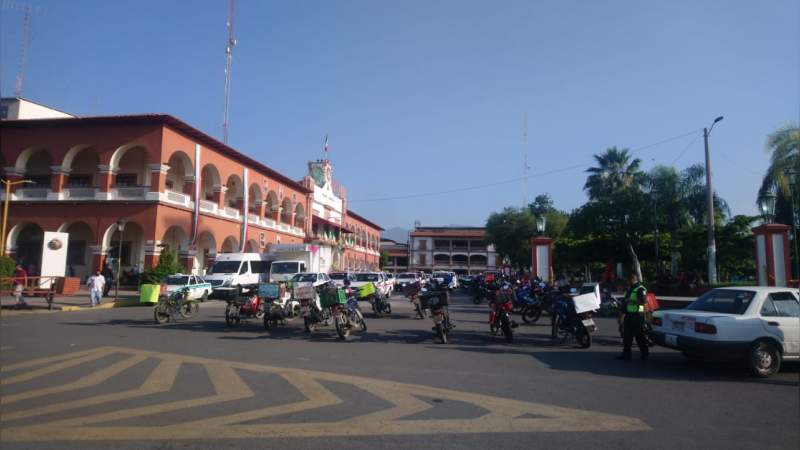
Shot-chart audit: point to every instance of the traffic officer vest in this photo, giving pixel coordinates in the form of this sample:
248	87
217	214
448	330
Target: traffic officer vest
632	302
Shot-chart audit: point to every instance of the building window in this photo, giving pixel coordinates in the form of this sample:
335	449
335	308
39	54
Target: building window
423	245
126	180
79	181
422	261
39	181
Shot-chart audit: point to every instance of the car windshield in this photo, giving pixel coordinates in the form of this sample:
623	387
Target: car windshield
225	267
725	301
178	280
409	276
366	277
284	267
304	277
440	274
338	276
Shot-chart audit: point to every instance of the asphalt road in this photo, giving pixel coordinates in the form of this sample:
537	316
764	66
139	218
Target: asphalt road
92	379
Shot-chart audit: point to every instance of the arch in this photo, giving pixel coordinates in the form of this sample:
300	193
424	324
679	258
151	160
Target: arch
229	245
251	246
234	190
460	260
25	156
286	211
25	240
271	210
133	245
441	259
210	182
175	238
79	255
131	166
478	260
299	216
180	168
206	247
80	165
37	167
255	195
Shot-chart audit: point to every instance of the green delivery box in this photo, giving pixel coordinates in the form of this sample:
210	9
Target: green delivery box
330	297
148	293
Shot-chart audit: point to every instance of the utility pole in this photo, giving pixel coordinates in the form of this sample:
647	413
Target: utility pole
228	65
712	246
525	162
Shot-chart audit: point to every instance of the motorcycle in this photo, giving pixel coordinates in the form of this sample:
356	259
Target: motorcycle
572	325
436	300
500	318
530	307
478	292
174	304
243	307
347	316
412	291
380	305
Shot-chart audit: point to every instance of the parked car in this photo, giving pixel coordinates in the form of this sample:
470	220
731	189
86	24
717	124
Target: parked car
376	278
199	289
758	324
390	280
404	279
310	279
339	277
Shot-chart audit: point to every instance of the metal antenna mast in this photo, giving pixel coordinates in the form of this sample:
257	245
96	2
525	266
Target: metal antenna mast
525	166
228	63
23	52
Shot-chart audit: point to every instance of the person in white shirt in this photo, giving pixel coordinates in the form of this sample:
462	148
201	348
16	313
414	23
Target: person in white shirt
96	284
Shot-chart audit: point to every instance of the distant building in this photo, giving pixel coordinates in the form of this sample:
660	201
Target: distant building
462	250
20	108
398	256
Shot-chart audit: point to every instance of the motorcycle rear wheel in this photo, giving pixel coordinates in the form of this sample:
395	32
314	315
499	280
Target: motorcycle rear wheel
554	326
582	337
441	333
309	325
506	327
531	314
361	322
232	318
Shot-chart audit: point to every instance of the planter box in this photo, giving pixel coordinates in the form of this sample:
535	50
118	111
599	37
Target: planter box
69	286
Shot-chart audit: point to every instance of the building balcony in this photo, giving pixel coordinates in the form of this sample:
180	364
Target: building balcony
79	193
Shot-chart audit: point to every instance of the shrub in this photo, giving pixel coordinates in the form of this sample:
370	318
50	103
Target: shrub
167	265
7	267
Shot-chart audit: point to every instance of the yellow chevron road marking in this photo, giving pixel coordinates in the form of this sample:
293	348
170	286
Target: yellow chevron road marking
503	415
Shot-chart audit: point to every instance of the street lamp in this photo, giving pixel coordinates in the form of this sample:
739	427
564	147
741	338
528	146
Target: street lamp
541	221
8	184
712	246
792	175
121	228
766	204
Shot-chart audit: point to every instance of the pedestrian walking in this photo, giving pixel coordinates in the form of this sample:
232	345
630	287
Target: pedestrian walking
633	320
20	281
96	284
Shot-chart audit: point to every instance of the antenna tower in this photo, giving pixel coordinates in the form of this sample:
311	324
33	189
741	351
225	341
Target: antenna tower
23	51
525	166
228	64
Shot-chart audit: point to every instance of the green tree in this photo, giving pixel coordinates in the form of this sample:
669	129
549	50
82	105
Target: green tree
511	231
784	146
384	258
556	221
617	204
167	265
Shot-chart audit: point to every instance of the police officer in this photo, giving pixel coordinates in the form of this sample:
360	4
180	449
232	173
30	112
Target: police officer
633	319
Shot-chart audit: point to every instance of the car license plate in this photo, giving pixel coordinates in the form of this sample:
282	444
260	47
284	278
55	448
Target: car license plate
671	340
588	323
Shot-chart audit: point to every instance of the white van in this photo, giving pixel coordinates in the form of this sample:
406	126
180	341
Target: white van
233	271
281	271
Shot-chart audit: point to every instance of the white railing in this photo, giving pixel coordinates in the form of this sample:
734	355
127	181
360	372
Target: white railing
283	227
252	218
32	193
209	206
269	222
130	192
79	192
231	212
177	197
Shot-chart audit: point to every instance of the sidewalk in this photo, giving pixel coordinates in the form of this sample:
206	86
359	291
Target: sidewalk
73	302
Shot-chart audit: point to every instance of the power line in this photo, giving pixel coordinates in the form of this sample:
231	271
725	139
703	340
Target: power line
685	149
517	179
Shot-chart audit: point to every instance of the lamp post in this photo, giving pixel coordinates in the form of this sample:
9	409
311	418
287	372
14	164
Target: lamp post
541	222
655	221
712	246
121	228
766	204
792	175
8	184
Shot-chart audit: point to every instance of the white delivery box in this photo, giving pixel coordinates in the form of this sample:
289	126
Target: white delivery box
588	302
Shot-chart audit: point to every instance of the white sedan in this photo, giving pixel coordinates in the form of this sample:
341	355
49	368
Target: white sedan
758	324
199	289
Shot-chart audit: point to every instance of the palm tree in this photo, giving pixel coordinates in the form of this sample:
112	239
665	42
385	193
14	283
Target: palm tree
784	144
615	185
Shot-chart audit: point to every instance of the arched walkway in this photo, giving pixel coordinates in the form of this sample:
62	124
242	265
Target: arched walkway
36	167
210	182
251	246
180	169
272	208
441	259
477	260
256	198
230	245
234	192
286	211
26	240
299	216
206	251
132	167
132	249
81	167
79	252
175	239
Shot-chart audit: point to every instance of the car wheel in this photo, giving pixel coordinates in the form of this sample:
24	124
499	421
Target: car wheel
204	297
765	359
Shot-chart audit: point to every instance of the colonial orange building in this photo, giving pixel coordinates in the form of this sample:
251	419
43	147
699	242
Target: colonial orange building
175	187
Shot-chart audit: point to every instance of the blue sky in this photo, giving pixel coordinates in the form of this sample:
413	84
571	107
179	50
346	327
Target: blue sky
425	96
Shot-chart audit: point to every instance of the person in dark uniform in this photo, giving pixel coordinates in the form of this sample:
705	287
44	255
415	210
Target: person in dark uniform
633	320
108	274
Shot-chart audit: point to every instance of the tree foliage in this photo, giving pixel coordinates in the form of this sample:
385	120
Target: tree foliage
167	265
511	231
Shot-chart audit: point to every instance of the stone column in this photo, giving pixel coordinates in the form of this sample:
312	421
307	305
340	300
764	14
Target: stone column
57	182
188	187
152	253
158	180
186	257
106	178
219	196
99	254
